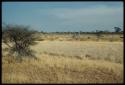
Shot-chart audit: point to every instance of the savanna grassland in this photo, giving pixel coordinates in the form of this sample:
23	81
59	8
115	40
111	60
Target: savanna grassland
63	59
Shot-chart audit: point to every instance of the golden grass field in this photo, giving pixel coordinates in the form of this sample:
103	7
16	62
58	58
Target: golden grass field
67	62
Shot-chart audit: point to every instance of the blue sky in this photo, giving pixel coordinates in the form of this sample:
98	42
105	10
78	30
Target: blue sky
64	16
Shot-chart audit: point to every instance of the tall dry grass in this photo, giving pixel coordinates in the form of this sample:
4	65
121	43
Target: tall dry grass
57	69
109	51
59	62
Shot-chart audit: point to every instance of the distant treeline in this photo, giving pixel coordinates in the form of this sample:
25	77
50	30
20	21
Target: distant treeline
117	30
82	32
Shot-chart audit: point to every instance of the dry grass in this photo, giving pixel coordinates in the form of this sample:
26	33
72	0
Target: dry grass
109	51
82	37
59	62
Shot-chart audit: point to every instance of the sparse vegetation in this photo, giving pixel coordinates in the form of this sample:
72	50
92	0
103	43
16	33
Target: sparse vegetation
62	57
98	36
67	62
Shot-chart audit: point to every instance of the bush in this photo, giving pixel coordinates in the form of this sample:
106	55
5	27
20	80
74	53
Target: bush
21	38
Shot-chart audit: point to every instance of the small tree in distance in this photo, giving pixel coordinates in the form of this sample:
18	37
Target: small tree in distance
117	29
21	38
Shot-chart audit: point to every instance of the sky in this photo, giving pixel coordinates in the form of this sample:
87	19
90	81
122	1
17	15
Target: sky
64	16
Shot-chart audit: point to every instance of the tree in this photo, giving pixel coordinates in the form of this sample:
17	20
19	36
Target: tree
117	29
21	38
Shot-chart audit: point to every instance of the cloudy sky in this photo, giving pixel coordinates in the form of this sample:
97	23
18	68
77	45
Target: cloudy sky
64	16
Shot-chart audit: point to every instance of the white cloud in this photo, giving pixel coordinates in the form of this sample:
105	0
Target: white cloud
97	16
72	13
83	14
